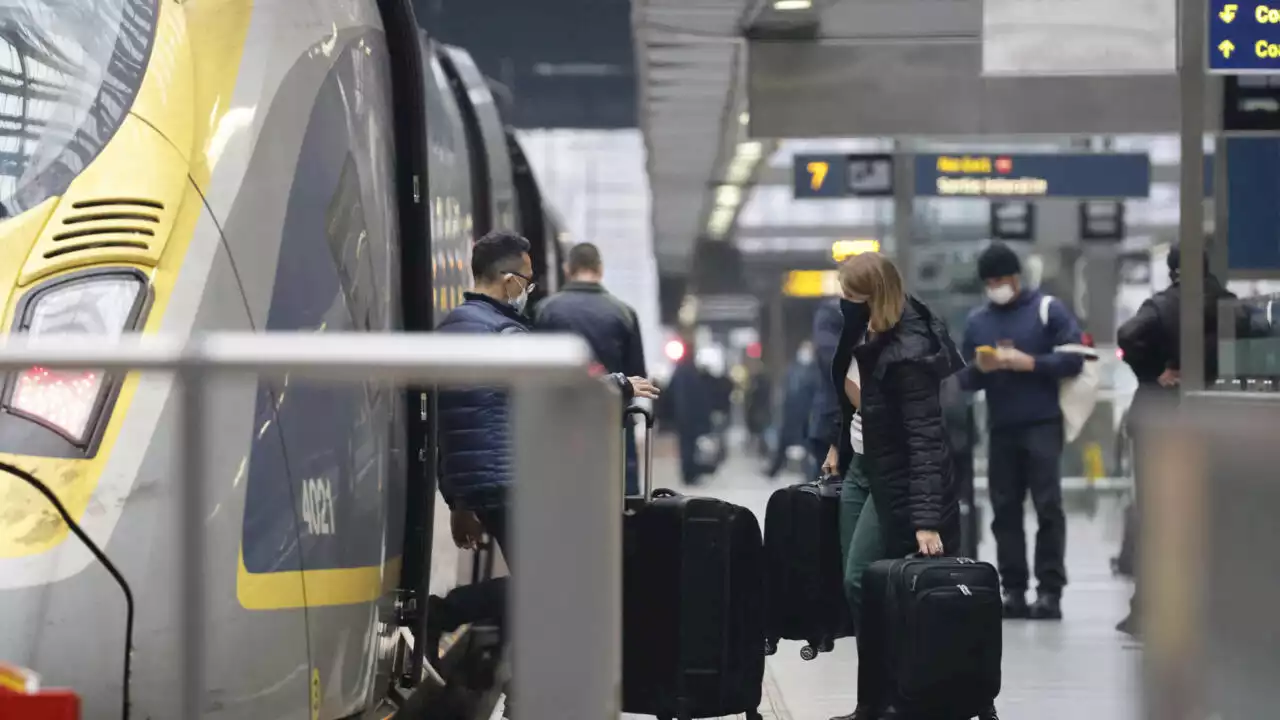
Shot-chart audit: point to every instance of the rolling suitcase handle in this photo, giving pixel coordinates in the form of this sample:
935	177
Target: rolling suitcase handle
646	483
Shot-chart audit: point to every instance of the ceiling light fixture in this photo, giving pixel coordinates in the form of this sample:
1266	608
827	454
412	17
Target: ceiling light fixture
792	4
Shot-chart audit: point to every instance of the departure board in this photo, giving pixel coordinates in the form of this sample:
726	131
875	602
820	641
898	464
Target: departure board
1244	37
842	176
1077	175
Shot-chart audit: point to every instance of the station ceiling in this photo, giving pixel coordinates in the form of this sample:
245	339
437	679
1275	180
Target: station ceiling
715	75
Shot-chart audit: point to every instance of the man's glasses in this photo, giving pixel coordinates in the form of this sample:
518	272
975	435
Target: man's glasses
529	284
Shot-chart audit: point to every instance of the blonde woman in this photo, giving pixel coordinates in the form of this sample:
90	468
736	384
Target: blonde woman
898	495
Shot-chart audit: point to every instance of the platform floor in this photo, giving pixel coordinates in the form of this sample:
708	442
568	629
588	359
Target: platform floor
1078	669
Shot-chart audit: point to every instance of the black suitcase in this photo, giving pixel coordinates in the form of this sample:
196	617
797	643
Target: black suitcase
932	636
805	568
693	604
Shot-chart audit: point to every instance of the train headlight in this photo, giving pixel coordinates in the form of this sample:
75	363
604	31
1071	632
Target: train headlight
102	303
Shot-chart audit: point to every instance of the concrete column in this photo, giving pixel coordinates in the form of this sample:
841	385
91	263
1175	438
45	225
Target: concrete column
1057	241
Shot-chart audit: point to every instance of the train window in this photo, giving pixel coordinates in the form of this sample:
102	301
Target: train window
69	72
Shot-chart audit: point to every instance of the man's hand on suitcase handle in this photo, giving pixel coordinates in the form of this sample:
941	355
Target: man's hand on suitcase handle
467	531
643	388
929	541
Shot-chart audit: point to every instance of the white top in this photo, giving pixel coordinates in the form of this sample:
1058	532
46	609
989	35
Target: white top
855	427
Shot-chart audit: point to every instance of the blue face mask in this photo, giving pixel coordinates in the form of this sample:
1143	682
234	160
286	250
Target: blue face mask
856	316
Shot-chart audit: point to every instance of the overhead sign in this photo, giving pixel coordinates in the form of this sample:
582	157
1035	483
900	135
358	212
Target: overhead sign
726	309
1013	220
1079	175
1251	103
1079	37
842	249
1244	37
811	283
1102	220
839	176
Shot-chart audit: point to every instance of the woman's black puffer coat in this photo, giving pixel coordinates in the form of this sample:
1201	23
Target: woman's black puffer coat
904	438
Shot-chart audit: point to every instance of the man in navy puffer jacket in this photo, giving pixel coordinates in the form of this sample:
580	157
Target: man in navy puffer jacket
476	451
1020	372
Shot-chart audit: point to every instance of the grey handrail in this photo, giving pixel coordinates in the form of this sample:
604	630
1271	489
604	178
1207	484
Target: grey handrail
566	515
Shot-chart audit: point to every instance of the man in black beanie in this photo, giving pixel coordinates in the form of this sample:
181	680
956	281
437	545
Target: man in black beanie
1011	343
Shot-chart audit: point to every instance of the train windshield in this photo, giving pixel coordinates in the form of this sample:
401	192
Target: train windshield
69	71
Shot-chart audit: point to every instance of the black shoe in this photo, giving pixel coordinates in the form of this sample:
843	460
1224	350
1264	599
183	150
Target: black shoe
862	712
1014	606
1048	606
438	623
1128	626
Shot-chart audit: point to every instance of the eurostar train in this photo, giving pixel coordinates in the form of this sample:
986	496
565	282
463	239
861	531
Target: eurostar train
180	166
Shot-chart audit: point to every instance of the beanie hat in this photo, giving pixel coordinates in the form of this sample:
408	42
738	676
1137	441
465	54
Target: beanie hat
998	261
1175	261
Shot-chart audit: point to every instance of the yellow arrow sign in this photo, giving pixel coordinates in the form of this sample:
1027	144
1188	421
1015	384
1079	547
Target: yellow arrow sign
1226	47
1228	13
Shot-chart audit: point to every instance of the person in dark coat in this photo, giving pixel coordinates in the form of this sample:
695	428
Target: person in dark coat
824	415
902	352
759	408
692	404
476	465
610	326
1149	342
801	384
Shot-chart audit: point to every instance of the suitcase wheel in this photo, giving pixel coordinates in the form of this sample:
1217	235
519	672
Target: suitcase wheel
770	647
808	652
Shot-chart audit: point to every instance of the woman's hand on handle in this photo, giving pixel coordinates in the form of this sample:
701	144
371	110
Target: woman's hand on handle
929	541
832	463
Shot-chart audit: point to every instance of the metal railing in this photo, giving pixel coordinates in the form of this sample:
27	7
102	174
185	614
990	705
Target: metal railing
567	505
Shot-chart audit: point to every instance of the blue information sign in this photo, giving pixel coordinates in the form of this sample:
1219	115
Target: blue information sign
1076	175
1244	37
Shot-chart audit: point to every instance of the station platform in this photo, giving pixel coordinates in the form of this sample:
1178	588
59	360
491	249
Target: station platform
1079	668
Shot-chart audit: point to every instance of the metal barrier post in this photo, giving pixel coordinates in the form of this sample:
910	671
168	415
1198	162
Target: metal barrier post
567	569
568	499
190	462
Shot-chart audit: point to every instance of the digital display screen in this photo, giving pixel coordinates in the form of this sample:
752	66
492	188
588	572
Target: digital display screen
841	176
1080	175
1013	220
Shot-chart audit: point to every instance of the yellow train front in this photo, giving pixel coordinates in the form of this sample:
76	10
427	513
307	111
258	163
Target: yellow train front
179	167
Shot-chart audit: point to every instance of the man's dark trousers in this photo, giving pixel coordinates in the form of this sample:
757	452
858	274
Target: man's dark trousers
484	601
1028	459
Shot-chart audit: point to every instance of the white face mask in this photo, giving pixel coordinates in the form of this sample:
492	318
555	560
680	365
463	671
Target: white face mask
1001	294
521	300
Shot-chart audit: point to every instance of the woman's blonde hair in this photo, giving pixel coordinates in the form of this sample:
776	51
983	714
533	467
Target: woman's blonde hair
874	276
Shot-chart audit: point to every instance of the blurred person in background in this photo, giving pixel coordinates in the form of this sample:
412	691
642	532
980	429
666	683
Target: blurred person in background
899	495
611	327
759	407
691	403
1015	362
824	415
1149	342
797	402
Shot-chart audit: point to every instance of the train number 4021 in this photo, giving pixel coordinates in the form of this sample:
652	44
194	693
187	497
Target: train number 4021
317	506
